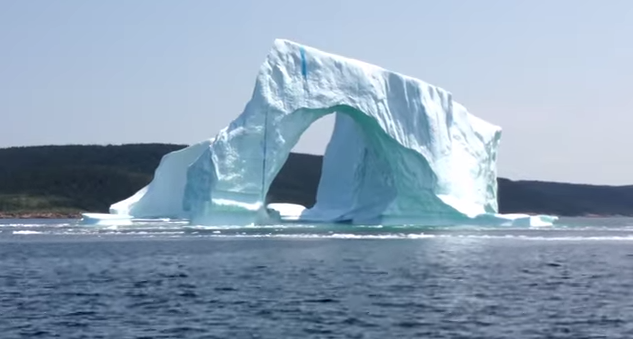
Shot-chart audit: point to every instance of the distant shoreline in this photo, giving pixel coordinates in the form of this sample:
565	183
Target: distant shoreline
77	215
40	215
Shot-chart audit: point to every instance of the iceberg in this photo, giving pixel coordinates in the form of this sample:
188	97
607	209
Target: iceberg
402	152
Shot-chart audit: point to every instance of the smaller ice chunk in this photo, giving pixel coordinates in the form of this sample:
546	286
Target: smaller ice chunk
104	219
287	212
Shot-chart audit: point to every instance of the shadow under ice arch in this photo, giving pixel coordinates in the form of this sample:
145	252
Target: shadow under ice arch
402	151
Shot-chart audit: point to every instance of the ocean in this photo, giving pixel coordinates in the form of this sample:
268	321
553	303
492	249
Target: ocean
170	280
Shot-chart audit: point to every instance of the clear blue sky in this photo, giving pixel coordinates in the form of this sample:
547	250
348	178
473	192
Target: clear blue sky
555	74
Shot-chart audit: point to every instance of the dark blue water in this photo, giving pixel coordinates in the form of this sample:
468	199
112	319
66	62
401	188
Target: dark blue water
60	280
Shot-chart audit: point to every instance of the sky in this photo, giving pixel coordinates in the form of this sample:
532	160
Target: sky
555	75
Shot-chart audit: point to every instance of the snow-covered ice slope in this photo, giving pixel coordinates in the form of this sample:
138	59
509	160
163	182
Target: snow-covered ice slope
402	150
162	198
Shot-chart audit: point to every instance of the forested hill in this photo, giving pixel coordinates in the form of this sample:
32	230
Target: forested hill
65	180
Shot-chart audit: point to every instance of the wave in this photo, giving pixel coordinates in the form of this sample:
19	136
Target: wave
242	234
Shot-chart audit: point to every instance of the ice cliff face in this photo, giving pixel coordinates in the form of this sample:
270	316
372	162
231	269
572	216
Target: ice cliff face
402	150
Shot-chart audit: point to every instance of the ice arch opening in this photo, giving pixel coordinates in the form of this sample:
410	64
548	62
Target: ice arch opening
298	179
355	158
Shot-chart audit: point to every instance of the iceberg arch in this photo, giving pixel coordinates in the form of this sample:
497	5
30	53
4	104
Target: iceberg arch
402	151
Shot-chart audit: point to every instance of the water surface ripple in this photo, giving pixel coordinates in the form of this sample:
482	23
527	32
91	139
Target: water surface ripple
570	282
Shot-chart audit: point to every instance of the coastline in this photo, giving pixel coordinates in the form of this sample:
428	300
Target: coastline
77	215
40	215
